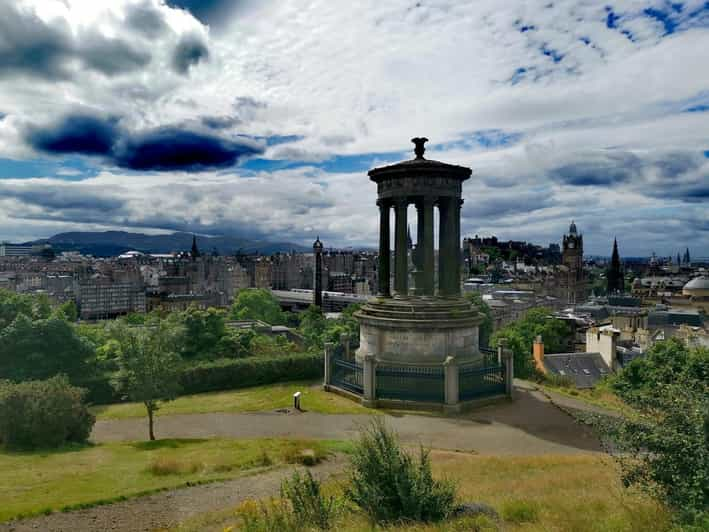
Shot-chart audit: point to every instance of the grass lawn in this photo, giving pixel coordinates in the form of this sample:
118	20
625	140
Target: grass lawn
257	399
36	482
548	493
601	396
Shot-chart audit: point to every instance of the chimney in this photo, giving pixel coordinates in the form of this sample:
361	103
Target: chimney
538	352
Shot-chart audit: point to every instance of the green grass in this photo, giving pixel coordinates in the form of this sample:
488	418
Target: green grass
601	396
257	399
79	476
580	493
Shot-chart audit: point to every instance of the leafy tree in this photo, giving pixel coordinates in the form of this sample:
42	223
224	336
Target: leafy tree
203	329
520	335
42	348
664	446
235	343
68	311
257	304
485	330
312	326
149	368
12	304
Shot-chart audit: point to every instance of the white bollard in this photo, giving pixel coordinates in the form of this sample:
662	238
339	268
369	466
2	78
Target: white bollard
296	400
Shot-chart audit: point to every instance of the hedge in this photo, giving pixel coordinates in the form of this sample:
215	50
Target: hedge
225	374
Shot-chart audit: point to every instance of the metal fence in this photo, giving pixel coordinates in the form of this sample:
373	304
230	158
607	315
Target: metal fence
489	356
410	384
475	382
347	374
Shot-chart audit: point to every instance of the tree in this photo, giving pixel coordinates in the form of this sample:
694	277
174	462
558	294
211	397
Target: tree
68	311
149	368
664	446
203	329
485	329
12	304
257	304
42	348
520	335
312	326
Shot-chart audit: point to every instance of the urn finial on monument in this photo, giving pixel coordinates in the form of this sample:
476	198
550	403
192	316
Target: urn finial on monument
420	148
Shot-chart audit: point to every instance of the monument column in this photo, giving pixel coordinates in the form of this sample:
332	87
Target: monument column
384	249
427	257
446	247
456	204
401	274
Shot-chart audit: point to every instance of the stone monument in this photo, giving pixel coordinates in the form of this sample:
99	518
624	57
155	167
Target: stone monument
430	323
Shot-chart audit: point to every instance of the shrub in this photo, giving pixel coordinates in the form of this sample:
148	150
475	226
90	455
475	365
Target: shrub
274	516
162	466
229	374
309	506
389	485
46	413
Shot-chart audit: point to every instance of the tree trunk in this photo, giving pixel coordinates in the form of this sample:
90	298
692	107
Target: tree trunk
150	421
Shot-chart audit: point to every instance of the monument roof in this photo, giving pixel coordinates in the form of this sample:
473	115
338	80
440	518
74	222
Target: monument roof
419	165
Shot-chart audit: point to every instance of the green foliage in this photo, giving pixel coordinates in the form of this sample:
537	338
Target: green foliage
42	348
270	346
273	516
309	506
520	335
257	304
13	304
664	447
203	330
389	485
229	374
68	311
317	330
485	330
149	368
312	326
520	512
235	344
45	413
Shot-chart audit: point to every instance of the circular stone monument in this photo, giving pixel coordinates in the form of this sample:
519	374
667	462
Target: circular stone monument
428	324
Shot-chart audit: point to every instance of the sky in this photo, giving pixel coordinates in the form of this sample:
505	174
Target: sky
261	118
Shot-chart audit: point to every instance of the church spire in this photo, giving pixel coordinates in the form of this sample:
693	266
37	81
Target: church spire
194	253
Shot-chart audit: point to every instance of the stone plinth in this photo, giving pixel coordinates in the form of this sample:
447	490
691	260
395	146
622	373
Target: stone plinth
418	331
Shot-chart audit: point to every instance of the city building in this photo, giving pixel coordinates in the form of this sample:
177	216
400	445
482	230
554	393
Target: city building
574	280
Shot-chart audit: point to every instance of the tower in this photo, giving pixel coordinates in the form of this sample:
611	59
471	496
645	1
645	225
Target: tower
194	253
317	273
572	258
614	275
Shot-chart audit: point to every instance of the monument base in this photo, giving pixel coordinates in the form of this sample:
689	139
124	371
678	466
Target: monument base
419	331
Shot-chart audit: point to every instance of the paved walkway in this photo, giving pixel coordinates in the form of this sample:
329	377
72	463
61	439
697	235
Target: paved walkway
528	425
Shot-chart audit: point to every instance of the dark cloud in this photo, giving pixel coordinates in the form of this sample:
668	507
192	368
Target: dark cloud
81	133
189	51
161	149
63	198
220	122
212	12
174	149
496	206
608	170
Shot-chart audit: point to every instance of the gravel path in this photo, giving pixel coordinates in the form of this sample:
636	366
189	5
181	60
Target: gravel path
530	424
167	509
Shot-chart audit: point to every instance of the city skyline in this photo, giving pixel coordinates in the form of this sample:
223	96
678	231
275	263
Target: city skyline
262	120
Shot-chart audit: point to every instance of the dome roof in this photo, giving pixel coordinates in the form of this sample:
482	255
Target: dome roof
698	283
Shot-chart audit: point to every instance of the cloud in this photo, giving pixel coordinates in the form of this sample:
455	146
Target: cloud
158	149
189	51
608	169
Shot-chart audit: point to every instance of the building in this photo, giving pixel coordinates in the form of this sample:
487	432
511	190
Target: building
317	273
103	298
614	274
16	250
574	280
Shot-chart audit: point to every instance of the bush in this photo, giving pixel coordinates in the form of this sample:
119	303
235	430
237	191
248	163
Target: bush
48	413
229	374
309	506
389	485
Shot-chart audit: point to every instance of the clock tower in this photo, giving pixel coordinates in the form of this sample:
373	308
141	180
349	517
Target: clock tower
572	259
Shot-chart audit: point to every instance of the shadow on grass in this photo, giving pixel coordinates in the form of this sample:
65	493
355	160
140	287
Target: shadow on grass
44	452
168	443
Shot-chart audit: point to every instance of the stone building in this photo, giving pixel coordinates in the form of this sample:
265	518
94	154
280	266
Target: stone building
573	281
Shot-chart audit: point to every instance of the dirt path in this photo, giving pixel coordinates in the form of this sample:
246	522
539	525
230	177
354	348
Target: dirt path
167	509
530	424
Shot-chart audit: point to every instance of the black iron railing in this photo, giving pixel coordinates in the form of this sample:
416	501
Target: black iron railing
347	374
411	384
476	382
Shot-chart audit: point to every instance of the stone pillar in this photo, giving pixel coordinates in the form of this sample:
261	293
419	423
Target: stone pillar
401	273
508	359
329	347
345	341
369	376
384	249
457	203
427	258
501	344
450	368
446	248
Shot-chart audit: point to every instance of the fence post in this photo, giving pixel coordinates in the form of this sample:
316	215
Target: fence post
451	384
501	344
328	363
345	340
369	376
508	358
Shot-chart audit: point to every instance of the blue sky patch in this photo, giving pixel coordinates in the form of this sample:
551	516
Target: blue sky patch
69	169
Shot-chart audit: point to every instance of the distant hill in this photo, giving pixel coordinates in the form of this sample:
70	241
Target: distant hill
111	243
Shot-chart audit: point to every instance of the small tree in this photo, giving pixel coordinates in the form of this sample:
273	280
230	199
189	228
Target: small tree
257	304
149	368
